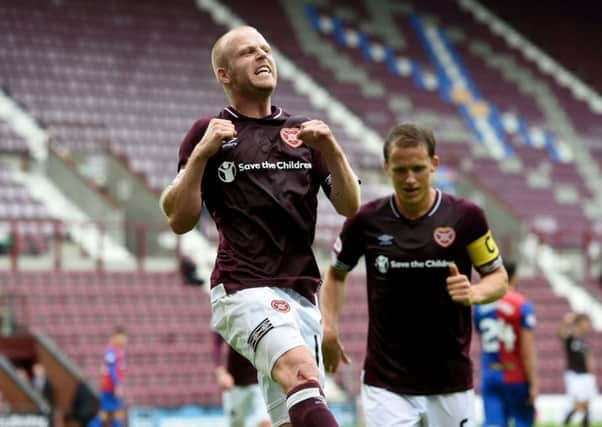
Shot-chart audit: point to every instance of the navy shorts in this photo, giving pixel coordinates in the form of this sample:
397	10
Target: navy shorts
505	402
109	402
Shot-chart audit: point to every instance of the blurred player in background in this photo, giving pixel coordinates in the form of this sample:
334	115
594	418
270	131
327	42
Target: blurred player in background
509	383
579	378
258	170
241	395
111	384
419	246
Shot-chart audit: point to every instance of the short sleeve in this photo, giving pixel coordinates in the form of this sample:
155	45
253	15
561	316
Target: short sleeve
527	316
192	138
482	249
110	357
321	172
349	246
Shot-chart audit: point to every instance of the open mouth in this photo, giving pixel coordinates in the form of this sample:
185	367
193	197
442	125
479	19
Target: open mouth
263	70
410	191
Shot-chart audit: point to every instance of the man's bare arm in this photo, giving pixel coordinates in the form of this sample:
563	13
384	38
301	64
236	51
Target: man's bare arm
529	358
345	191
181	200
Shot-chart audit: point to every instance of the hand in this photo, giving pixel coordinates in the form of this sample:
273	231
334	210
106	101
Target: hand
217	131
333	353
224	378
459	288
533	393
119	392
317	135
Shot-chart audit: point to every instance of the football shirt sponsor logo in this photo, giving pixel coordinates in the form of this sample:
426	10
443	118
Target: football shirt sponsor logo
281	306
226	171
444	236
382	264
289	135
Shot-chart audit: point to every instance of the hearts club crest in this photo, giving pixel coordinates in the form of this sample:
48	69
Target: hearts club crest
444	236
289	135
280	305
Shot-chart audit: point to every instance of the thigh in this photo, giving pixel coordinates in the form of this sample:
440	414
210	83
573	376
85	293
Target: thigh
584	387
383	408
309	319
110	403
257	323
451	410
518	407
493	407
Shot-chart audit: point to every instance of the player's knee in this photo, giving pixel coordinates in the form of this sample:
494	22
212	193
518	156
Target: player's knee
308	371
295	367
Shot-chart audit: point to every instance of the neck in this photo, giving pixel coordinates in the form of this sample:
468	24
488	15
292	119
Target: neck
419	209
255	108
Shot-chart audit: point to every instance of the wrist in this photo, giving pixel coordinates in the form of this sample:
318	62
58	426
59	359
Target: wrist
333	153
331	331
199	157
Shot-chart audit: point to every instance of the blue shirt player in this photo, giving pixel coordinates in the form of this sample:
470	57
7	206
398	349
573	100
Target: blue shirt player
111	384
508	359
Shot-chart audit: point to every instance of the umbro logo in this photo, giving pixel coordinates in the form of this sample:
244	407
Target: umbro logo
230	143
385	240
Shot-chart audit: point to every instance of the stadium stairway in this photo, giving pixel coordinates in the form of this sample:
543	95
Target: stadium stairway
169	354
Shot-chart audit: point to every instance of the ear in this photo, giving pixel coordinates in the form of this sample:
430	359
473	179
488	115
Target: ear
434	163
222	75
386	168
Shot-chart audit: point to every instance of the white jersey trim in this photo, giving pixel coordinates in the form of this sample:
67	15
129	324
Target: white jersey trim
231	112
277	114
431	212
437	203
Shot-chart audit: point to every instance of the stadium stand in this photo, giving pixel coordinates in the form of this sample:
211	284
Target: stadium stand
34	223
168	324
9	141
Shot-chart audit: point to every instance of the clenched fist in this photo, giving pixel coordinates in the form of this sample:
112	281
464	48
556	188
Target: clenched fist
218	130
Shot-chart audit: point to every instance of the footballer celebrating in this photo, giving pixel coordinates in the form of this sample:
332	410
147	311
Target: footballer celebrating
258	171
419	246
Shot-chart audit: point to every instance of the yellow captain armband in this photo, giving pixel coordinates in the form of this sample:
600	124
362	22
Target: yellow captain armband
484	253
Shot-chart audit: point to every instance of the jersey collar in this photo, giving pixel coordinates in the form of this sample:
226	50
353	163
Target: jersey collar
275	114
431	212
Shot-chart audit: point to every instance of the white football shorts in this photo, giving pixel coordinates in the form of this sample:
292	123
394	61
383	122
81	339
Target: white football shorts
581	387
383	408
242	403
262	324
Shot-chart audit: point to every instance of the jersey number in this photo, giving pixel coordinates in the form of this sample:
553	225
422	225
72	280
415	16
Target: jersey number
494	331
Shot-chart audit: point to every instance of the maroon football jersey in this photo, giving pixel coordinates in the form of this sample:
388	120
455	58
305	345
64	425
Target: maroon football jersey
261	190
418	338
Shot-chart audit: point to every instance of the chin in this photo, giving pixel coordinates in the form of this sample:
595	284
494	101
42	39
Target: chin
265	89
